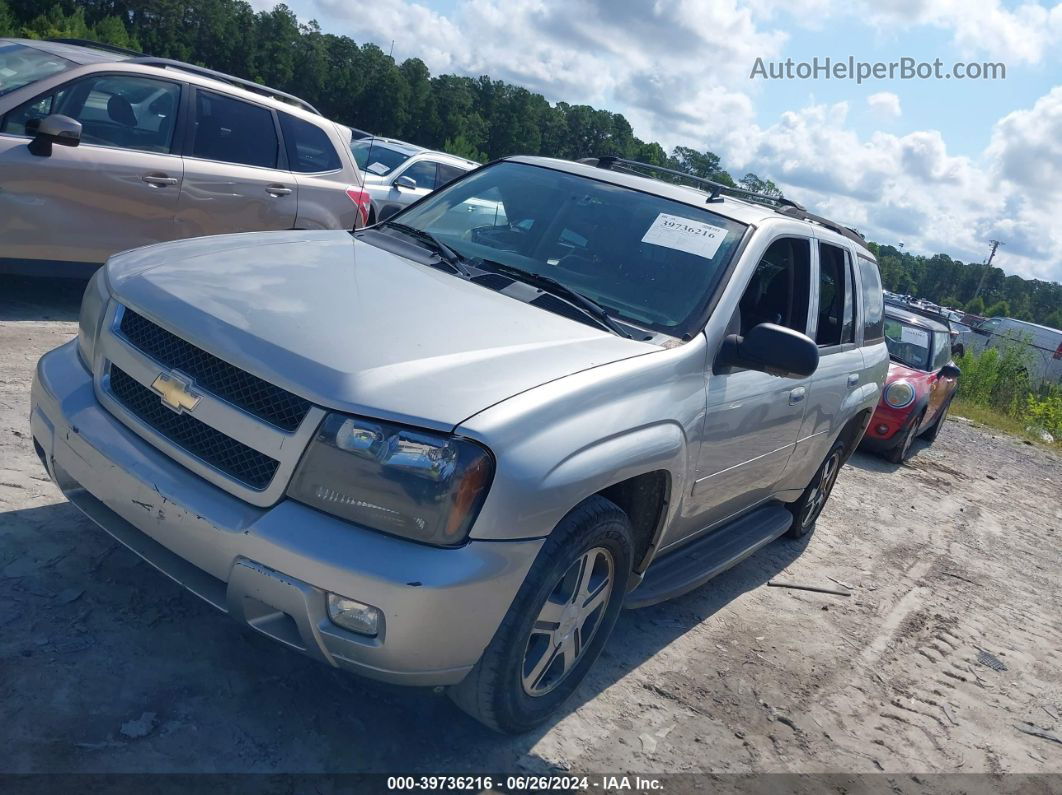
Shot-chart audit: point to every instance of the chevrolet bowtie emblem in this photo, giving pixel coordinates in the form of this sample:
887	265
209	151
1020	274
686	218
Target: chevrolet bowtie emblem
176	393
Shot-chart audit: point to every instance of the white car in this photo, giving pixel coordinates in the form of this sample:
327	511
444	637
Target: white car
398	173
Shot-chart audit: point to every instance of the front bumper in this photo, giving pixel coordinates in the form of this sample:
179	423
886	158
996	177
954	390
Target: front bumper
272	568
886	428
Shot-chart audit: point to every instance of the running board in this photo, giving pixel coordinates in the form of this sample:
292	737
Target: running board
697	562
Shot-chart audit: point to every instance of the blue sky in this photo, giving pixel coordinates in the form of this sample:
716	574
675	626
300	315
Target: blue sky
941	165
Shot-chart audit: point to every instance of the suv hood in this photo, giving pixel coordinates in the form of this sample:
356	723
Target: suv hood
352	327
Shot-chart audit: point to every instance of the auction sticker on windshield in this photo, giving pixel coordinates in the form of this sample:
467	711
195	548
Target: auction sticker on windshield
693	237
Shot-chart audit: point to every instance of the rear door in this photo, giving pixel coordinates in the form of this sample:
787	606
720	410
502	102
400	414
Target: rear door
235	171
117	190
840	371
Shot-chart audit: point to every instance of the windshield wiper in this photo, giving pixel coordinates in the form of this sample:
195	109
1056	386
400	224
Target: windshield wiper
436	246
550	285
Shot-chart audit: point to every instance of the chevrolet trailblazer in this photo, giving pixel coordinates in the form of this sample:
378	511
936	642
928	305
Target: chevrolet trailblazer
446	450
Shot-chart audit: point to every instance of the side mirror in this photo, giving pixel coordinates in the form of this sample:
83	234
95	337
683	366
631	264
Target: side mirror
54	129
958	349
950	371
771	349
406	182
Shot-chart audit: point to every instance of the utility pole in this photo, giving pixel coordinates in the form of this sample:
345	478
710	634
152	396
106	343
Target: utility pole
988	266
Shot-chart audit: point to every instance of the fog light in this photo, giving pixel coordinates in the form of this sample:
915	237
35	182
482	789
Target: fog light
882	430
355	616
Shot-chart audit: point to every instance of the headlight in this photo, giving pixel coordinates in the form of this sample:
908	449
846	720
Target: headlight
899	394
419	484
93	306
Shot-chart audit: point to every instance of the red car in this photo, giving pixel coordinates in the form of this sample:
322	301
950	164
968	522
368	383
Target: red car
919	388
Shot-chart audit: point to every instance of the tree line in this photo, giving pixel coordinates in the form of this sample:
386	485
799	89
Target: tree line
476	117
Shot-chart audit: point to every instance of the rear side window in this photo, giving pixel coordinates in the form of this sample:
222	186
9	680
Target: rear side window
448	174
233	131
308	146
873	301
836	321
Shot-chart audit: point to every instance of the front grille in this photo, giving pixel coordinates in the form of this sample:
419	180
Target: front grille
264	400
235	459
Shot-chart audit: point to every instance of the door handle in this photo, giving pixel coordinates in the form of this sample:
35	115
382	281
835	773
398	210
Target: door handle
278	190
159	180
797	395
853	380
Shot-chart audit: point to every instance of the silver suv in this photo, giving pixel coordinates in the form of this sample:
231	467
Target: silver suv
447	449
399	173
103	151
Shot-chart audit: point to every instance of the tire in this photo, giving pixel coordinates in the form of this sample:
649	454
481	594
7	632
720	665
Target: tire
530	668
931	433
899	453
808	508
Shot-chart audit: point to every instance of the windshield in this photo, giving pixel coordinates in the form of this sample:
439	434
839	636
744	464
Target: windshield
21	65
646	259
907	343
376	158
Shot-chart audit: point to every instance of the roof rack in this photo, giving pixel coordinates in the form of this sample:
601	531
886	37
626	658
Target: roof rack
96	45
248	85
715	188
845	231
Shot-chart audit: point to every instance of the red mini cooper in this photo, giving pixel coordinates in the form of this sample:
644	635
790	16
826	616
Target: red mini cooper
919	388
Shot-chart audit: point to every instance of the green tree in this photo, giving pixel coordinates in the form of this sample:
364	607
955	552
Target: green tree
976	306
7	20
462	147
998	309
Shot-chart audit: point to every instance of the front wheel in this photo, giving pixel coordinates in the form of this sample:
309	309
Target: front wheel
931	433
899	453
558	623
806	510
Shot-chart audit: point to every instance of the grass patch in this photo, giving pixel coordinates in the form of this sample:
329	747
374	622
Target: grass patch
998	421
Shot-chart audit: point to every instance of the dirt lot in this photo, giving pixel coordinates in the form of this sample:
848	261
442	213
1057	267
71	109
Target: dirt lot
105	665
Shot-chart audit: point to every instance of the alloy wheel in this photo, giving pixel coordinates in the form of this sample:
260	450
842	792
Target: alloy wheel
567	621
816	500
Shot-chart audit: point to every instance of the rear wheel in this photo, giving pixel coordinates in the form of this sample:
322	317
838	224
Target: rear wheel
806	510
558	623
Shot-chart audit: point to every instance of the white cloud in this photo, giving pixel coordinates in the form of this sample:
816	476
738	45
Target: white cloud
678	70
885	105
1027	33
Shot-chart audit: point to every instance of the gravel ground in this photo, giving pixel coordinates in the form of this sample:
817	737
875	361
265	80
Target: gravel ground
106	665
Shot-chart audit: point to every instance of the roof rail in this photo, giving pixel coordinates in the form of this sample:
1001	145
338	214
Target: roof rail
96	45
248	85
845	231
715	188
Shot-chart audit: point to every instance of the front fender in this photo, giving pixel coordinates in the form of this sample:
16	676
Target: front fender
560	443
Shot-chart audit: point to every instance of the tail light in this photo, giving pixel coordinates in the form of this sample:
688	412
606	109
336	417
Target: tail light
362	200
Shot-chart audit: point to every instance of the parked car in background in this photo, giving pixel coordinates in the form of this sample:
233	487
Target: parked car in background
920	386
447	452
1041	346
398	173
958	331
103	150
